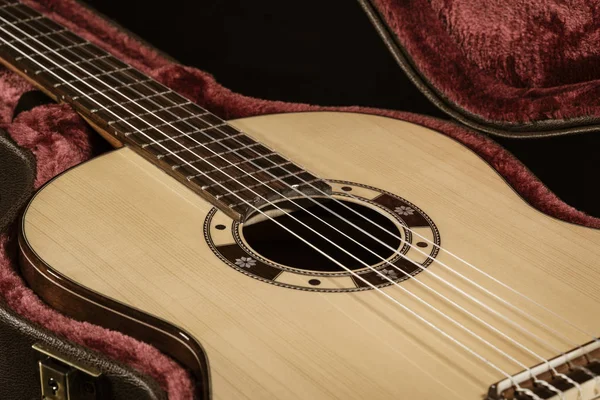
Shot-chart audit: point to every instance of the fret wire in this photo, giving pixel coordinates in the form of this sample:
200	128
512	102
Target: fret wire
80	71
74	63
200	144
179	119
304	183
43	53
148	117
182	135
32	37
220	154
11	24
9	5
108	90
201	130
111	79
245	188
233	164
17	14
56	57
128	102
245	173
29	28
90	77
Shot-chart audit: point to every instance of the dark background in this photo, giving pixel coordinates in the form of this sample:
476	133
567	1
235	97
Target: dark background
326	53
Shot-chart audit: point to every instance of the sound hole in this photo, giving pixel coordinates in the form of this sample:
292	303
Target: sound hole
370	246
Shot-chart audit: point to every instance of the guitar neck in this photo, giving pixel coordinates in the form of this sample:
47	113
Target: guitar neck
210	156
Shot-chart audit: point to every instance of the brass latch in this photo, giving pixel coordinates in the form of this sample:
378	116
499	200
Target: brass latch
64	379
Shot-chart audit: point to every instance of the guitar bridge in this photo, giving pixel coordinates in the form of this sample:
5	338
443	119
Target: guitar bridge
571	376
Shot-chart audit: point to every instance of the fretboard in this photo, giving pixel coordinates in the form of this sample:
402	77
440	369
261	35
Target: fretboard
210	156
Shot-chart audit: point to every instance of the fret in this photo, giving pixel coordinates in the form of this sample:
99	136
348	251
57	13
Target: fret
176	135
90	77
22	21
38	36
146	87
60	49
187	139
80	71
254	196
206	150
169	108
111	89
201	120
80	62
18	13
46	48
198	153
243	168
231	156
6	4
260	184
221	183
129	124
126	94
61	56
30	29
105	81
206	143
183	143
136	100
251	173
122	111
235	152
113	110
235	202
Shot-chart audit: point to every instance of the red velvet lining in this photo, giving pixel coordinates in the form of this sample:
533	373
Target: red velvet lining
511	60
59	138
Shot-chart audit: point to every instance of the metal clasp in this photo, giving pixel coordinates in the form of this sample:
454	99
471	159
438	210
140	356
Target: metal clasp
64	379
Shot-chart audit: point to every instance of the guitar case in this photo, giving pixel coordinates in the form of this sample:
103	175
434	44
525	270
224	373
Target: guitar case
509	95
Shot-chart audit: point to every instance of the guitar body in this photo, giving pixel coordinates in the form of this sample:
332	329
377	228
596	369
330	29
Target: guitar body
118	242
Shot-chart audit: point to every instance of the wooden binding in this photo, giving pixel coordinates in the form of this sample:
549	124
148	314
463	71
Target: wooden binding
84	304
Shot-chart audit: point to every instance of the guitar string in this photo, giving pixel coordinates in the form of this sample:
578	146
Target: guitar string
349	222
403	271
522	312
395	251
518	344
551	368
236	140
395	267
322	221
257	208
236	196
422	319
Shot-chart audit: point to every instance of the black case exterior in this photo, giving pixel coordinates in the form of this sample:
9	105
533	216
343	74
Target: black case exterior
19	376
19	371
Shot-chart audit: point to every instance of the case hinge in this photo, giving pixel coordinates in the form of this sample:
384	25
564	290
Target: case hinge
64	379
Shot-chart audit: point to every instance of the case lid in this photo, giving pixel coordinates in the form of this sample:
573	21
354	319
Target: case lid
518	68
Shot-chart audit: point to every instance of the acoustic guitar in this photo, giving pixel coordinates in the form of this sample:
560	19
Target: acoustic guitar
301	256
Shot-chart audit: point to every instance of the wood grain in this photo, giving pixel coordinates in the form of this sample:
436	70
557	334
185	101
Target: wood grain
121	227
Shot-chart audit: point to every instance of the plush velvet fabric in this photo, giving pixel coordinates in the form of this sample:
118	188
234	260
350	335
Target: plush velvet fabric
59	138
505	60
